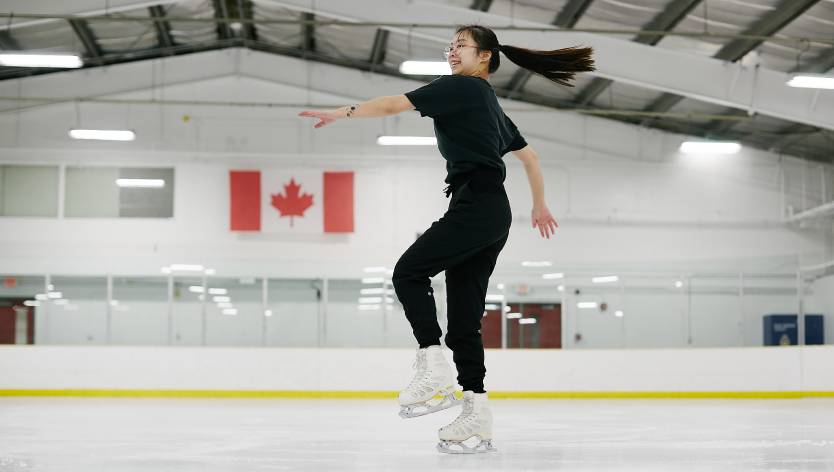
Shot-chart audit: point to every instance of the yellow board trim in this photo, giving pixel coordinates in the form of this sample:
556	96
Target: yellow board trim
353	394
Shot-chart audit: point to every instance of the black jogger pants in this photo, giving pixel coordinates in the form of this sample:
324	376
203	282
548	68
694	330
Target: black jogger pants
465	242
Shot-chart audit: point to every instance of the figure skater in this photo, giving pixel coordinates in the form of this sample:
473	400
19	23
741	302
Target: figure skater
473	134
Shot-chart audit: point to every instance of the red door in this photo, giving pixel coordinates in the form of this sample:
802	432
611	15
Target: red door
545	333
8	322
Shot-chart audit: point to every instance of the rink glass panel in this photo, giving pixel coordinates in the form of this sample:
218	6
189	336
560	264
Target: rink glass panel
79	316
139	311
91	191
655	311
29	190
365	315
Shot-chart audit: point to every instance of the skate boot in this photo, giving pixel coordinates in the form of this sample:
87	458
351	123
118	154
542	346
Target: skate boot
475	421
433	386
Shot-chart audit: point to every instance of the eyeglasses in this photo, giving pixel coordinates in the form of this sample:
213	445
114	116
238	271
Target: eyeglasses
448	49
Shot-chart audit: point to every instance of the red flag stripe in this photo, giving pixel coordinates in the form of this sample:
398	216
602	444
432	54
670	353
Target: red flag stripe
245	208
338	202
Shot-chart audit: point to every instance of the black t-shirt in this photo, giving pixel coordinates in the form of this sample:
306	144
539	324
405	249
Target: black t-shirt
471	128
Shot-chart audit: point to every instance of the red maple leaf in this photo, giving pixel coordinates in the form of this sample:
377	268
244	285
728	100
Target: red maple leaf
291	203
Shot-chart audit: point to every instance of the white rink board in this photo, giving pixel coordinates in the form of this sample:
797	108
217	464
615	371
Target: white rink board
770	369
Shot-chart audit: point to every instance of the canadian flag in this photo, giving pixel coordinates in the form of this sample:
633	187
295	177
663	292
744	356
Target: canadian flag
291	201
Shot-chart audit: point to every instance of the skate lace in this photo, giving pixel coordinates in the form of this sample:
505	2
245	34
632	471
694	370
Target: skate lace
466	415
420	365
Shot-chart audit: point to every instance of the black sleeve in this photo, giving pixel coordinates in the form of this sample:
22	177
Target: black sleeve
518	141
442	95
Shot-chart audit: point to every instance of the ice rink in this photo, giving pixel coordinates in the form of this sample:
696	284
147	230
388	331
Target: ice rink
146	434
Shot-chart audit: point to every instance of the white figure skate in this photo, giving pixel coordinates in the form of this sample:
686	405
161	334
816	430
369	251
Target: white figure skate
474	421
433	378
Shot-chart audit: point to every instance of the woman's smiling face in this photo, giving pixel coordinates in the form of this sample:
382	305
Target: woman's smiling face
464	57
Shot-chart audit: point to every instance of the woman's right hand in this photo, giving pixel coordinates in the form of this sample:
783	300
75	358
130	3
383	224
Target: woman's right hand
544	220
326	116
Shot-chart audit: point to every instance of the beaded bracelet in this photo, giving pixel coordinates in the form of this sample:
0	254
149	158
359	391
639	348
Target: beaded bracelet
352	108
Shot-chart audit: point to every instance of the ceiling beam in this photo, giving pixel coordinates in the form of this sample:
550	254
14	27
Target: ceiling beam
379	47
567	17
733	85
190	66
778	18
88	39
224	31
820	65
481	5
163	28
7	41
246	11
308	32
666	20
74	7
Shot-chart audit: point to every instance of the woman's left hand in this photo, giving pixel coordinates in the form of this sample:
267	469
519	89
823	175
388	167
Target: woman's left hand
544	220
326	116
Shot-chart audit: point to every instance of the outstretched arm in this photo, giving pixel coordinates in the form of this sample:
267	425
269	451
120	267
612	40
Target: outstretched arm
379	106
541	216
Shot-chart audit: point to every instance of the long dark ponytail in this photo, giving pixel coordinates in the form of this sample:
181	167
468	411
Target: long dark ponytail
559	65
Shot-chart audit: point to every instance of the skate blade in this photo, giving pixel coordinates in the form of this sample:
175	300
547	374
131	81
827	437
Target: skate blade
431	406
459	447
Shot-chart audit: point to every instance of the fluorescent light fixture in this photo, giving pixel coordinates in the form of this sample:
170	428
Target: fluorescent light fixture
54	294
221	299
536	263
114	302
32	303
491	306
507	309
373	280
224	305
709	147
560	288
618	313
103	134
372	291
41	296
230	311
186	267
554	275
816	81
62	61
375	269
166	270
217	291
196	289
210	271
678	284
369	307
513	316
494	297
370	299
406	141
604	279
389	300
425	68
527	321
501	286
140	183
60	301
586	305
267	312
